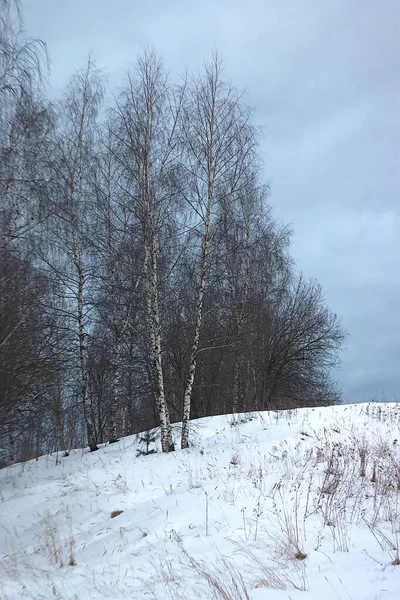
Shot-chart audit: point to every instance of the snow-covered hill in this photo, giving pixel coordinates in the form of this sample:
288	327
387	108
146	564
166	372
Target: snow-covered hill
295	504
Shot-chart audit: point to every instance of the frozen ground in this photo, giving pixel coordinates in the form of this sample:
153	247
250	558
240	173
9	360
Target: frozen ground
288	505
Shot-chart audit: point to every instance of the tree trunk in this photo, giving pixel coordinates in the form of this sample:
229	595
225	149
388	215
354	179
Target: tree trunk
199	318
236	378
87	408
11	444
167	443
115	393
60	443
149	225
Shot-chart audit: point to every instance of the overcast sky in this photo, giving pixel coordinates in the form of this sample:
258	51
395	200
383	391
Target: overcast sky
324	79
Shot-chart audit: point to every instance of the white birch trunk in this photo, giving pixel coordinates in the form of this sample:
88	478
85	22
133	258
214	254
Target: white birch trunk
199	319
167	444
82	348
187	398
151	276
124	420
115	393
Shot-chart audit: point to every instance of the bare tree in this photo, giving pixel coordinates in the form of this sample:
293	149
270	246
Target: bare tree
239	218
219	146
149	115
29	357
120	275
298	344
69	256
24	124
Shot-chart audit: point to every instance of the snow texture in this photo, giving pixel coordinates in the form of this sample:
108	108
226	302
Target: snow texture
278	505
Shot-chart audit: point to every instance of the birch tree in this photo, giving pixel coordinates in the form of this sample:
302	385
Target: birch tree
69	253
149	115
120	274
219	144
119	311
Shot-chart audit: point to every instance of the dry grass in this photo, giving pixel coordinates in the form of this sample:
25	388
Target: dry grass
223	579
274	573
288	538
60	553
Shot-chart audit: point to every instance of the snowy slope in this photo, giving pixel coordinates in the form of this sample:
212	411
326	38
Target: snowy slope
274	505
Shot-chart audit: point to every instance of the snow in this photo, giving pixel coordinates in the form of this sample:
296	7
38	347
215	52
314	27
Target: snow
224	519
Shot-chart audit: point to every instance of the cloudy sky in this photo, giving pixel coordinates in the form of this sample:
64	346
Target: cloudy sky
324	79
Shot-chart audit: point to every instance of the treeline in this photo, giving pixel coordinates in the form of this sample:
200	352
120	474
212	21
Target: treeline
143	278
